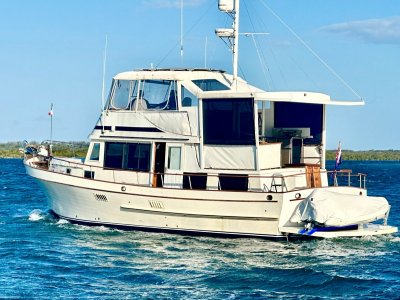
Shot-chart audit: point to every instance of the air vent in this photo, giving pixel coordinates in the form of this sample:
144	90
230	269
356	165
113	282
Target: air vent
100	197
156	204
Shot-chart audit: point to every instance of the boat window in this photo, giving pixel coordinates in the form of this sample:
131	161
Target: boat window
159	94
195	181
114	154
188	99
264	108
95	152
210	85
300	115
228	121
138	157
233	182
128	156
120	99
174	158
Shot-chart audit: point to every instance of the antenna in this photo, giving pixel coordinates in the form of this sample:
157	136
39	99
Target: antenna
181	31
231	7
103	87
205	53
51	113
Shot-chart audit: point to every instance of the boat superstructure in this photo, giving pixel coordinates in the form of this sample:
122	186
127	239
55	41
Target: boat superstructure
202	151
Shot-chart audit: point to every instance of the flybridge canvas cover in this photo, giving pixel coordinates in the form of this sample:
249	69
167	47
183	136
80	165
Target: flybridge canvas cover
336	209
177	123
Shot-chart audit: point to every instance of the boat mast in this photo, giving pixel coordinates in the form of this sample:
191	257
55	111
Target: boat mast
231	7
235	50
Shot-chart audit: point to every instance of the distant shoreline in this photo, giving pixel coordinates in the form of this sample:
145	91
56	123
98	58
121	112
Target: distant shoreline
79	149
67	149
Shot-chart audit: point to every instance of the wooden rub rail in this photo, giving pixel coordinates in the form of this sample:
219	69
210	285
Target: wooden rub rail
274	183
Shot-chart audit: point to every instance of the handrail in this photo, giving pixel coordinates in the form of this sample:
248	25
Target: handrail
333	174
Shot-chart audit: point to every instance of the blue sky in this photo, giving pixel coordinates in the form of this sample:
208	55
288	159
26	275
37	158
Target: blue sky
52	52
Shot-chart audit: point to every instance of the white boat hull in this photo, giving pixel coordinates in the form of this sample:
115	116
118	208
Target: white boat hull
138	207
95	202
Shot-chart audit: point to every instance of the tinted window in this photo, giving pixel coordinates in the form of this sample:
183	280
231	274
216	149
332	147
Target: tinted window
231	182
210	85
114	155
228	121
130	156
95	152
138	157
195	181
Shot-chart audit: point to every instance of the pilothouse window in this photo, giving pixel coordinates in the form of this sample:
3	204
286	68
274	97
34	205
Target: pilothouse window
128	156
95	152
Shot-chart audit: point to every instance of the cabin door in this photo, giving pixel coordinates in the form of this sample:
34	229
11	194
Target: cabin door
159	164
173	166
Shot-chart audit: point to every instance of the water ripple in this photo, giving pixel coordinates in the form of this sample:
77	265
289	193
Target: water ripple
43	257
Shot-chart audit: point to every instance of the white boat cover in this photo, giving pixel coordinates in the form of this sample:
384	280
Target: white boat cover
336	209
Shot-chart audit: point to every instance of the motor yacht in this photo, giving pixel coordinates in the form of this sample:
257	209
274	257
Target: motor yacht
201	151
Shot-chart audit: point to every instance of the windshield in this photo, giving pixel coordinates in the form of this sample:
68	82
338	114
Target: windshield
143	95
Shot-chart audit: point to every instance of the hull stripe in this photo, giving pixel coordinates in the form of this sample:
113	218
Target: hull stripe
147	211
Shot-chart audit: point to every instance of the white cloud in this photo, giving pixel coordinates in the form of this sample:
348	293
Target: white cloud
172	3
379	31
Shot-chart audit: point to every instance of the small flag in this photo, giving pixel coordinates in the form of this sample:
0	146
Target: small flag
338	158
51	113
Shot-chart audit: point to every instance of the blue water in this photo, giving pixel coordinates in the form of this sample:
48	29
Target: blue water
43	258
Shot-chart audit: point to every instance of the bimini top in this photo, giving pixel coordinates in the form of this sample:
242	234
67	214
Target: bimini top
209	83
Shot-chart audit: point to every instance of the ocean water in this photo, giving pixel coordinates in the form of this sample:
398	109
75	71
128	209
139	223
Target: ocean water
42	257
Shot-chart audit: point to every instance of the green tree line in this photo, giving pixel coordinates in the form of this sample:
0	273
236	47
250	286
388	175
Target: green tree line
68	149
365	155
79	149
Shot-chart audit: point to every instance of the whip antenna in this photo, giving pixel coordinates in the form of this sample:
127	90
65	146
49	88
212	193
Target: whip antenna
181	31
103	86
